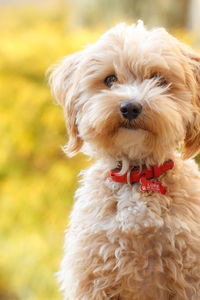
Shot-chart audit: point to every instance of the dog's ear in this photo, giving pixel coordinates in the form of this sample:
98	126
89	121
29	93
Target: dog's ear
63	81
191	145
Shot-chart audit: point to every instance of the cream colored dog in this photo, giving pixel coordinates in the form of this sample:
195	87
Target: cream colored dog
131	100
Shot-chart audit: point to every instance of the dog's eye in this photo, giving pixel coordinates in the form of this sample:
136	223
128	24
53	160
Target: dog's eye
109	80
161	81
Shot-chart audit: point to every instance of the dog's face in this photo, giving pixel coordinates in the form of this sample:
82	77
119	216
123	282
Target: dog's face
134	94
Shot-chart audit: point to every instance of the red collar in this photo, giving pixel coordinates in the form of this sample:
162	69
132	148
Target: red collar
134	174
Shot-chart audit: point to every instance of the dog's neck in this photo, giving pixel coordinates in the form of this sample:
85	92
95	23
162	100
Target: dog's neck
142	163
135	172
148	177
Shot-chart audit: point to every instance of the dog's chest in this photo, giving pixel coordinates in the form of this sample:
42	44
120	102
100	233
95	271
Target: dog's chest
134	210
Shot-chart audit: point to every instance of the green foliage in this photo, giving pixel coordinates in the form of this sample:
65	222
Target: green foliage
167	13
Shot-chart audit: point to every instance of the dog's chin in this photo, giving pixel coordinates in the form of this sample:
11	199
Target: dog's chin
131	132
126	140
130	141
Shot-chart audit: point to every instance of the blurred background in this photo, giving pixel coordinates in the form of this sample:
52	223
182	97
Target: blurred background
37	181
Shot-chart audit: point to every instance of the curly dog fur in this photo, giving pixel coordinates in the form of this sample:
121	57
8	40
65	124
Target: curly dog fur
123	243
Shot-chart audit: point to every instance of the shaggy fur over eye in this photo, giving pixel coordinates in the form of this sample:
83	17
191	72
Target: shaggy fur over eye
123	243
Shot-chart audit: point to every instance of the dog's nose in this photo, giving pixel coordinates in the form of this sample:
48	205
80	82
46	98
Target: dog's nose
130	109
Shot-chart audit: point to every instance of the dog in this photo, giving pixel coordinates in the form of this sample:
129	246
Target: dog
132	102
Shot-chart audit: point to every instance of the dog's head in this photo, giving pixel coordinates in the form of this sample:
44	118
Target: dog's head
134	94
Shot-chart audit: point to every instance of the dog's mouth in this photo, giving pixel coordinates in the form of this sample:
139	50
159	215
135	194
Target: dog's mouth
133	125
129	126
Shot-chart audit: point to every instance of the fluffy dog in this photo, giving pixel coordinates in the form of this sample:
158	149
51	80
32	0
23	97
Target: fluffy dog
132	100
